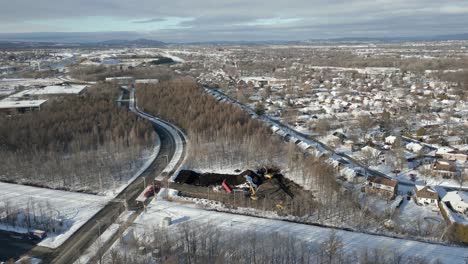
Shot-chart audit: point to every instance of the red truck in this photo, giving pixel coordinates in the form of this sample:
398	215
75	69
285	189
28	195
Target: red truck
151	190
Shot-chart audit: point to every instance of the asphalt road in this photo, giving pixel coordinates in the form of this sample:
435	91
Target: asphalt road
82	239
13	245
69	251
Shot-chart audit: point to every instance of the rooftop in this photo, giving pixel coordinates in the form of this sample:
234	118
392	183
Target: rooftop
21	104
53	89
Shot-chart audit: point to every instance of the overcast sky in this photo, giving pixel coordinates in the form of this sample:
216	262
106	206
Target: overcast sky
207	20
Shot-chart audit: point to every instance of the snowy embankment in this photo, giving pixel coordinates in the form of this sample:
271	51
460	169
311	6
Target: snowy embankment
96	248
93	250
75	209
145	166
177	134
314	235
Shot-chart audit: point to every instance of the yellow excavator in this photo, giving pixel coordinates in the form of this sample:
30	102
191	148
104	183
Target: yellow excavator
252	187
269	175
253	192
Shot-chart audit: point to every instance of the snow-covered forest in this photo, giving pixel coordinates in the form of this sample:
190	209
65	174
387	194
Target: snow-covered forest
85	143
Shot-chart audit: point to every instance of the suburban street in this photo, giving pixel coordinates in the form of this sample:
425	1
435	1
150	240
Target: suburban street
313	141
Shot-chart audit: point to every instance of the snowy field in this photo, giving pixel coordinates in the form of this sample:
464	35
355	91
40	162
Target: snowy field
180	213
74	208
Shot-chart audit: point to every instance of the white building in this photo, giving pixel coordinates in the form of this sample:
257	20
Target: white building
458	200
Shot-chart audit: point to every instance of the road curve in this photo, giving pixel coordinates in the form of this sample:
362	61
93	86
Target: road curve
71	250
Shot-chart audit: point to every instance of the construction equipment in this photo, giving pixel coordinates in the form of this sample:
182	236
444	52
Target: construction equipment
253	192
226	187
252	187
280	206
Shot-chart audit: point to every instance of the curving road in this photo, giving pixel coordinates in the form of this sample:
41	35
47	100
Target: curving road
71	250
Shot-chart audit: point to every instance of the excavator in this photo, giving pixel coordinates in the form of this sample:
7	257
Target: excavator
253	192
252	187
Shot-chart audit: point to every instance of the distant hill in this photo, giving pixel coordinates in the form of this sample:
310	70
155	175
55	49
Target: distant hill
108	43
463	36
134	39
127	43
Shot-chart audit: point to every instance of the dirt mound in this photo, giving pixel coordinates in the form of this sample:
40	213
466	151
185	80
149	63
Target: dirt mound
209	179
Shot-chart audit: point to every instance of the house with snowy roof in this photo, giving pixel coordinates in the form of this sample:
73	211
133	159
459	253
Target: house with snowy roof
455	155
425	195
381	186
444	169
458	200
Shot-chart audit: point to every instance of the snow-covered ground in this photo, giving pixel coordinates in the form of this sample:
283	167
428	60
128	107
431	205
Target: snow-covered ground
147	162
14	83
6	91
180	213
93	250
429	179
173	57
74	208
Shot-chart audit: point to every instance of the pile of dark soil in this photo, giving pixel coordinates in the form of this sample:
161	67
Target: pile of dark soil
210	179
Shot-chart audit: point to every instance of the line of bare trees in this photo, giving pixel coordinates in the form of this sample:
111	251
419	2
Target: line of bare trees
100	73
35	215
203	243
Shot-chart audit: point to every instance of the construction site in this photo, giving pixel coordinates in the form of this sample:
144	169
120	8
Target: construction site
264	188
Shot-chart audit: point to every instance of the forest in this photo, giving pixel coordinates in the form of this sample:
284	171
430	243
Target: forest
84	143
223	137
100	73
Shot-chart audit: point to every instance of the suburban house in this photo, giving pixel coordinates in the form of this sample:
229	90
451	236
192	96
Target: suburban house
425	195
455	155
458	201
371	153
444	169
381	186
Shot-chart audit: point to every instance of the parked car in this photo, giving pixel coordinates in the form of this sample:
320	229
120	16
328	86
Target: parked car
37	235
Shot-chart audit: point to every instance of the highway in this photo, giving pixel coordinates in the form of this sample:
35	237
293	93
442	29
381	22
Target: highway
91	230
70	251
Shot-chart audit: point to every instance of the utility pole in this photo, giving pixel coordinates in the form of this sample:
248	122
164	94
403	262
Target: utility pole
99	239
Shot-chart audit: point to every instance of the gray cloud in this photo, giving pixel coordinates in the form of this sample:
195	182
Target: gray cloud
152	20
236	19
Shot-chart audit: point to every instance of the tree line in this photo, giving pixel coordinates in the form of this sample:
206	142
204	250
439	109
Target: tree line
204	243
100	73
78	142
